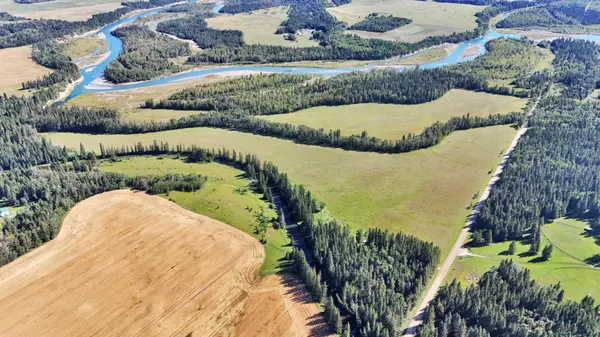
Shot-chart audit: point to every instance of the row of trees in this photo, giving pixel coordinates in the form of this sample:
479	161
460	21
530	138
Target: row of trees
380	23
146	55
506	302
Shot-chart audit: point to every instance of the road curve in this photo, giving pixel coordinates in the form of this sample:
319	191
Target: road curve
464	233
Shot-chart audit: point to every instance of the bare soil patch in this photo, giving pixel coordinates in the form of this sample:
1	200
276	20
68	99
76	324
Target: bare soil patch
131	264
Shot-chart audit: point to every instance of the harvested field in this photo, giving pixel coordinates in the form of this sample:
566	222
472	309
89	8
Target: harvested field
131	264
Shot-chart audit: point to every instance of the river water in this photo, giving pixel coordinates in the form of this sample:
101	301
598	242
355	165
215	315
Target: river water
115	47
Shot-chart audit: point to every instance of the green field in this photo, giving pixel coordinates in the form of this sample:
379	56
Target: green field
226	197
429	18
71	10
567	265
424	192
259	27
392	121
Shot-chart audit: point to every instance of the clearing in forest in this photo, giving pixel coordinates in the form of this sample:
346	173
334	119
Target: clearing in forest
259	27
424	193
392	121
130	264
574	254
429	17
17	67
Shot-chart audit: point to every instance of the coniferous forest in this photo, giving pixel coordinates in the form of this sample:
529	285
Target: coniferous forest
380	23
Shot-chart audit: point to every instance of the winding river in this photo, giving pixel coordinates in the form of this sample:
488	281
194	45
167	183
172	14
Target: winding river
92	75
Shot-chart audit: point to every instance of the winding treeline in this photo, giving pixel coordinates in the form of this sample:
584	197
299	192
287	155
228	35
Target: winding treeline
380	23
137	5
30	1
146	55
552	15
5	16
49	55
506	302
554	170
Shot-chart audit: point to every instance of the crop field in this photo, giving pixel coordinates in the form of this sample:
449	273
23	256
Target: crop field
392	121
226	197
131	264
17	67
425	192
259	27
573	254
429	18
70	10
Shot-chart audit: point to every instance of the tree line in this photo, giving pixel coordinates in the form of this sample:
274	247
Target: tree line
146	55
507	302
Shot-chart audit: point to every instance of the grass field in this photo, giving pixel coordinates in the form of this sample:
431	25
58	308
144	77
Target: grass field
71	10
392	121
424	192
131	264
81	47
17	67
567	265
259	27
429	18
220	199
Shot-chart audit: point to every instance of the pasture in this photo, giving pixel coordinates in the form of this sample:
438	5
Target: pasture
131	264
392	121
570	262
70	10
259	27
425	193
226	197
429	18
17	67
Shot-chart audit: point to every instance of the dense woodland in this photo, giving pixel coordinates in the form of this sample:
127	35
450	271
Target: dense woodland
4	16
380	23
146	55
553	172
552	15
506	302
196	29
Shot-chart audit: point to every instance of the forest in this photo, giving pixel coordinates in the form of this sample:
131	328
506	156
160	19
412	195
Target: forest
196	29
552	15
506	302
146	55
553	172
380	23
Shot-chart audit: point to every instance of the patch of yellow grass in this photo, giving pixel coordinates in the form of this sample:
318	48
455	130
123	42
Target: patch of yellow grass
81	47
423	192
259	27
392	121
16	67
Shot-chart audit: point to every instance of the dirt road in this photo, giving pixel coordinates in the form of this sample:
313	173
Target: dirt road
131	264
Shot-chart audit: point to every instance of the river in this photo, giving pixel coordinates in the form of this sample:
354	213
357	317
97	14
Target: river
115	46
